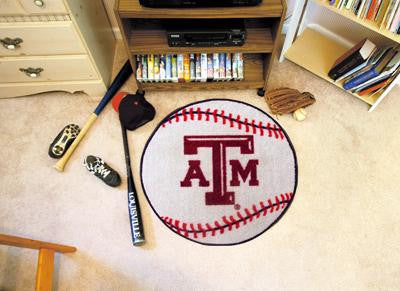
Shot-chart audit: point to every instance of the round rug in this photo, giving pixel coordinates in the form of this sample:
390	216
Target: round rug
219	172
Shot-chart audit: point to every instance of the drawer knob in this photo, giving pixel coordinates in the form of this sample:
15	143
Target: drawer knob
11	43
32	72
39	3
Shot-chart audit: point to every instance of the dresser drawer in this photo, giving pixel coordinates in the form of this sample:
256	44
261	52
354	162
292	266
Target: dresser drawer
10	7
33	38
48	6
24	7
40	69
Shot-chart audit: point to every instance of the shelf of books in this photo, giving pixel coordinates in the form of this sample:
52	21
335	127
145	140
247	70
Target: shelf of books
382	17
197	71
320	62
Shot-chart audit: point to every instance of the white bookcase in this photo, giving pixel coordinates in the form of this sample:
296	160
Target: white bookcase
319	33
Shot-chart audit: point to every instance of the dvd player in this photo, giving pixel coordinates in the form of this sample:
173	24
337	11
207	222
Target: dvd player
198	3
203	33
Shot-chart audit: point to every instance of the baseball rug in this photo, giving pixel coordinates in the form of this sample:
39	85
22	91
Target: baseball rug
219	172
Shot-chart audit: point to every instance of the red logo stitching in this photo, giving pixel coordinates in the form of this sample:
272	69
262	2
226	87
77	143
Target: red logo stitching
219	145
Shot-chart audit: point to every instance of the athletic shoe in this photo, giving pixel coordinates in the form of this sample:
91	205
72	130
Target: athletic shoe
100	169
63	141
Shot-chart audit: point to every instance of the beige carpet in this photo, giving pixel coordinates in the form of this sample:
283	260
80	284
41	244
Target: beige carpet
341	233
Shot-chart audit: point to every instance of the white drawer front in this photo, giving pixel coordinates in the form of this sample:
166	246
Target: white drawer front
10	7
48	7
40	69
23	7
47	38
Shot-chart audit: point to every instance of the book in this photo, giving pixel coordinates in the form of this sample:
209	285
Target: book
156	68
373	10
180	68
203	59
168	68
210	68
349	4
371	61
392	11
216	66
150	68
382	11
192	64
228	67
384	64
234	67
144	68
174	68
186	68
198	68
366	8
162	69
395	21
222	66
352	58
240	66
139	69
374	87
360	8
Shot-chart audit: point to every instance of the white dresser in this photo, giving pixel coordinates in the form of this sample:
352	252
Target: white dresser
54	45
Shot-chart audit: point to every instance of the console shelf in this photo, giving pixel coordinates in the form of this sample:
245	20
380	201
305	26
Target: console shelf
149	41
143	33
133	9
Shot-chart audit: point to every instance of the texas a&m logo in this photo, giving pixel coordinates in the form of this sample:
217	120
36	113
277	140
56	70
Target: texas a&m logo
221	164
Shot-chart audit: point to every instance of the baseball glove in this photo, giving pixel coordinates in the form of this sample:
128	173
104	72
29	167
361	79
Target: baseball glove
286	100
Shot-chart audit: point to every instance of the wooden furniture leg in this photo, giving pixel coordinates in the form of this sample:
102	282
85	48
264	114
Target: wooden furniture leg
45	268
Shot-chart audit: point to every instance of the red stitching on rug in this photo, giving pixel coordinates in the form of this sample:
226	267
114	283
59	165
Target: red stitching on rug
246	124
261	129
215	115
184	114
191	113
231	120
281	202
253	125
273	130
238	122
208	114
199	113
223	117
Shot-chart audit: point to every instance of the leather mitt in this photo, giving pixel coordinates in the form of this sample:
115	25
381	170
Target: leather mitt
286	100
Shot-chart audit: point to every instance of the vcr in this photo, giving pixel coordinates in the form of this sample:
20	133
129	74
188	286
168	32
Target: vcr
203	33
198	3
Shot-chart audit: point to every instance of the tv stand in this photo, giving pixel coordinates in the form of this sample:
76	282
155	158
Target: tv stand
143	33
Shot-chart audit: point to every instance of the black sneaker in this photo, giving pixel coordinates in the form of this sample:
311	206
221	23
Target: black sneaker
100	169
63	140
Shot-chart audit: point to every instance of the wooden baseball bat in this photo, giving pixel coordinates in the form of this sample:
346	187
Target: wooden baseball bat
119	80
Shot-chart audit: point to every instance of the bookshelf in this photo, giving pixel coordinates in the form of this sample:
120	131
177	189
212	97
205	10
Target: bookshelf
143	31
330	45
364	22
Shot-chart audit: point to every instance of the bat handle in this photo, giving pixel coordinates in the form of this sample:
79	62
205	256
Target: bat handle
133	201
63	161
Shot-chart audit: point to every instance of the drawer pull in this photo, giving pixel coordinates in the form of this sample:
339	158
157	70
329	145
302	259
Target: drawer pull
39	3
32	72
11	44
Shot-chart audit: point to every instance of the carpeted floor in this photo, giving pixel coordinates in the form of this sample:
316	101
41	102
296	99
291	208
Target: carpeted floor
342	231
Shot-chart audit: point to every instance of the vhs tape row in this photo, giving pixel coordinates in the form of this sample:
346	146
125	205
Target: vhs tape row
190	67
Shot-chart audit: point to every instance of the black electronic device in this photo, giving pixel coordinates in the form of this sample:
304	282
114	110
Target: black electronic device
197	3
206	33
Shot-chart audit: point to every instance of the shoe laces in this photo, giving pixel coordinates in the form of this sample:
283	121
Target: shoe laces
99	168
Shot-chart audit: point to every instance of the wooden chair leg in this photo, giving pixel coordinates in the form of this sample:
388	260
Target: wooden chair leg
45	268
